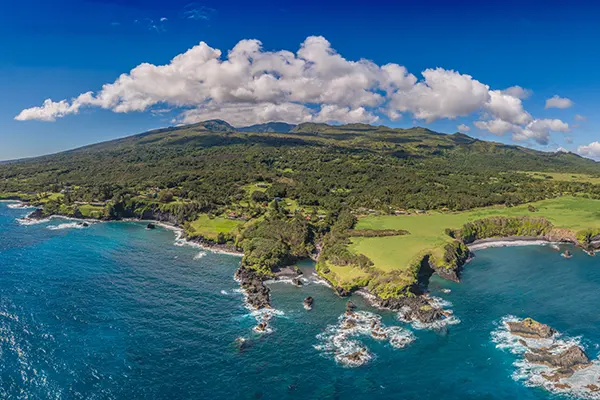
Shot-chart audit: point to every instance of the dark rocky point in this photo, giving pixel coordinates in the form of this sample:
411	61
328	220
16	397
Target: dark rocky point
257	294
297	282
150	226
37	214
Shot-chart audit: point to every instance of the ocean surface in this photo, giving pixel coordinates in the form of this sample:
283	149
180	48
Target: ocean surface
115	311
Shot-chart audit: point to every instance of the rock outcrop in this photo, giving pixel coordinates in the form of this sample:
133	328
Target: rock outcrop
565	362
529	328
416	308
308	303
37	214
562	360
257	294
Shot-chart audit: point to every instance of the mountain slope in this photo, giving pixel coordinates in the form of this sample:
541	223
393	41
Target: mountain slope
354	165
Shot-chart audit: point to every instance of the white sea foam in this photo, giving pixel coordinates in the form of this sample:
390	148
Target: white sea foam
508	243
319	281
27	221
224	292
341	342
199	255
582	384
68	225
20	206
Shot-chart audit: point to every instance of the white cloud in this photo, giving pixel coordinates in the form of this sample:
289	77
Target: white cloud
518	92
463	128
442	94
537	130
507	108
591	150
250	85
163	19
562	150
579	117
558	102
495	126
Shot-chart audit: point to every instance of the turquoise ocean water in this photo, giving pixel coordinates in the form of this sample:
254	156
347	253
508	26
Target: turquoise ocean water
115	311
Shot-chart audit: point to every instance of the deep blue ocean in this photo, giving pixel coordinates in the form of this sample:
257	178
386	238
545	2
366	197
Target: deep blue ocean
115	311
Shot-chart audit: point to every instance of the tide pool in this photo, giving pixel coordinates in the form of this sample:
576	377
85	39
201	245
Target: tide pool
115	311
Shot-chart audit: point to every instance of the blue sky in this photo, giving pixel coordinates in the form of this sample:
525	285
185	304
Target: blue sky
61	49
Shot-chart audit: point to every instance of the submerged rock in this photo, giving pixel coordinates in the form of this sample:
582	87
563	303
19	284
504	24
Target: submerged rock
150	226
297	282
261	327
567	254
529	328
308	302
350	306
342	292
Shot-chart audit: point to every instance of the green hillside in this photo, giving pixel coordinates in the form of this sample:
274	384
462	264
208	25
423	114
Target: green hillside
279	192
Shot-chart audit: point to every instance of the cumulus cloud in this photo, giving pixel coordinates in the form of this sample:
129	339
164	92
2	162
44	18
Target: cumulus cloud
442	94
507	108
518	92
537	130
591	150
463	128
250	85
558	102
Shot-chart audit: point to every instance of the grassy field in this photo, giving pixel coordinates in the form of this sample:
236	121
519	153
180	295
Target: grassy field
211	227
427	230
566	177
89	211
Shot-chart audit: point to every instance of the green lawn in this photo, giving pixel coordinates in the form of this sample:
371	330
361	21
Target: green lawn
89	211
427	230
567	177
210	227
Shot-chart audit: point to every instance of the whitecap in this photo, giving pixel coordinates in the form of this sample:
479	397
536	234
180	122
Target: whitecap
69	225
341	342
20	206
199	255
224	292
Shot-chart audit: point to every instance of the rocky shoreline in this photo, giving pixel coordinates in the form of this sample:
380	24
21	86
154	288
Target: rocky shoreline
416	307
563	360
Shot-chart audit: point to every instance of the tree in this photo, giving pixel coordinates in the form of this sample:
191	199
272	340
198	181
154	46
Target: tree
165	196
259	196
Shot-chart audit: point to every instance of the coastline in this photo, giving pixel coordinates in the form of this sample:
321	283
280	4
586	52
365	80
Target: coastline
180	232
513	241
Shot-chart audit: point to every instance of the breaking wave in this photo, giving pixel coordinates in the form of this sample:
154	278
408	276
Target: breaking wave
68	225
27	221
20	206
341	342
